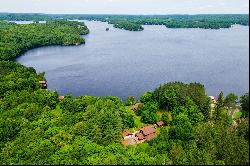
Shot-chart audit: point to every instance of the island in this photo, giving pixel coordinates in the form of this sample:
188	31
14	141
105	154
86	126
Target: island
177	123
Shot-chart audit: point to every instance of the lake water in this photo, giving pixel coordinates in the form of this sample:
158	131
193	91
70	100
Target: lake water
123	63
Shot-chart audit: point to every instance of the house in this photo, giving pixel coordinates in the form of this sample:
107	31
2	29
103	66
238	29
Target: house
140	136
126	134
150	136
213	99
136	106
149	132
61	98
160	124
43	84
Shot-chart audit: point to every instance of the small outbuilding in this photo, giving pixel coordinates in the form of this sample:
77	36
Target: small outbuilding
160	124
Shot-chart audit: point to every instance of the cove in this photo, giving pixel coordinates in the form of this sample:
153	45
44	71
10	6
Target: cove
123	63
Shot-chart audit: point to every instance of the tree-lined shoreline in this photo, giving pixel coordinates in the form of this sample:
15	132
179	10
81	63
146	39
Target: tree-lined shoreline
37	127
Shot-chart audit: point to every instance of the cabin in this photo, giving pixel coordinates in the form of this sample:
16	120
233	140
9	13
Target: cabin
150	137
149	132
43	84
61	98
160	124
139	136
136	107
127	134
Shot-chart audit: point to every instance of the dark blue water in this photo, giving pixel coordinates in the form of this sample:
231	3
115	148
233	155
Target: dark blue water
123	63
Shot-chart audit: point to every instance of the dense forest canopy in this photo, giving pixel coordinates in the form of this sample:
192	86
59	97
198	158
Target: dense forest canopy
36	127
135	22
18	38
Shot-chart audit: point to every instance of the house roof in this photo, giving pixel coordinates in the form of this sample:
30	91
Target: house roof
139	136
148	130
126	133
150	136
161	123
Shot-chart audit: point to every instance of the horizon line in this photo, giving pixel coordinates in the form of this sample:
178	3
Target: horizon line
126	14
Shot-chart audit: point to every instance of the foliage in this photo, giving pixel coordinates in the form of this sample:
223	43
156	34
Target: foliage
244	103
166	118
135	22
182	129
230	100
147	97
16	39
37	128
148	112
174	94
130	101
219	106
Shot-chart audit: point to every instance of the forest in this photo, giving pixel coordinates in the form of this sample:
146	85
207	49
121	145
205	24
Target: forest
18	38
135	22
36	127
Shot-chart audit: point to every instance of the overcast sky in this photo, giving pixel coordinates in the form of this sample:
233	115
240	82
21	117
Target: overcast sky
125	6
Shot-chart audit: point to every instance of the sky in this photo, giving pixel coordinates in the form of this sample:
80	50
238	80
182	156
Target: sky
126	6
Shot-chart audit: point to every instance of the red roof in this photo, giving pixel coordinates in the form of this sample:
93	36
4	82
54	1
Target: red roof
139	136
148	130
150	136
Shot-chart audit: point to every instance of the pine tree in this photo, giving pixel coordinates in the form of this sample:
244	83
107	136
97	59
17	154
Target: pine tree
219	105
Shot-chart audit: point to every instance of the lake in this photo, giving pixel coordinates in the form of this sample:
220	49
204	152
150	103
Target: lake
123	63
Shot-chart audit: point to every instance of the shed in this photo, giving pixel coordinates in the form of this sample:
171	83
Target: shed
160	124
